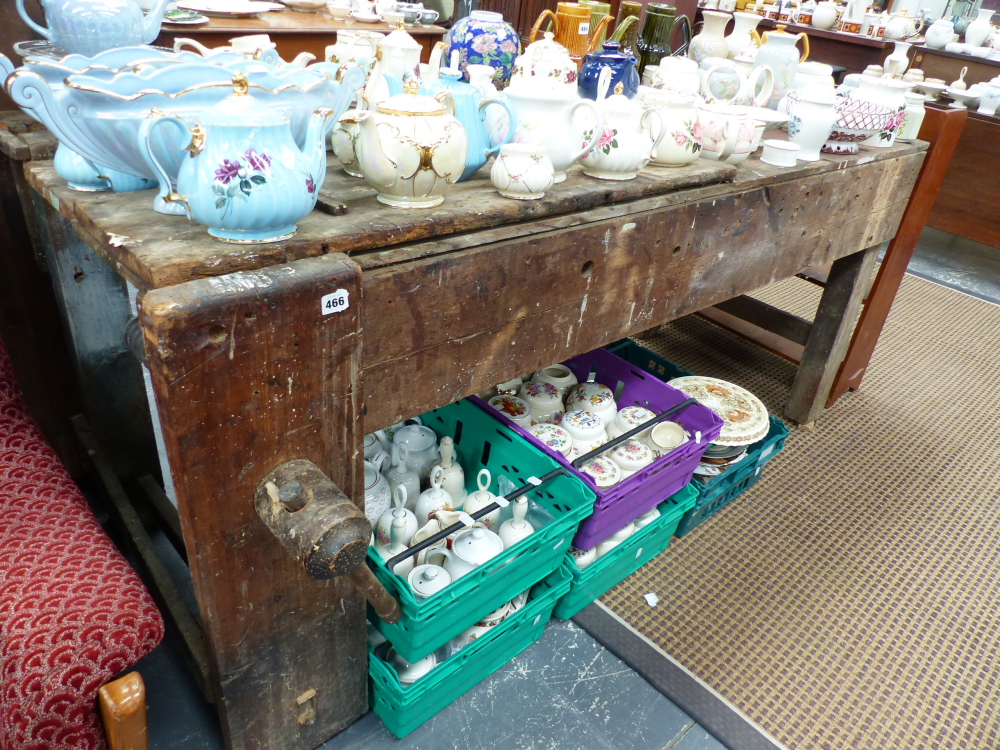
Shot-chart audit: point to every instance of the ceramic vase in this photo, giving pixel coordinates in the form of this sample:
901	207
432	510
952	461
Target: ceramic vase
484	38
939	33
711	42
779	52
890	93
744	33
657	30
522	171
897	62
811	118
826	14
913	118
979	31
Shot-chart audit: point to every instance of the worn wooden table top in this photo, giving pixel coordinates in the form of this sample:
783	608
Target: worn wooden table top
153	250
290	22
22	138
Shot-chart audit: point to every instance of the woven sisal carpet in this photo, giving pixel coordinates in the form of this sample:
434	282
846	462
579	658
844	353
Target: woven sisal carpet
852	598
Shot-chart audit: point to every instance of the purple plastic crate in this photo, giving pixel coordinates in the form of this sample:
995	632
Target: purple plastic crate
645	489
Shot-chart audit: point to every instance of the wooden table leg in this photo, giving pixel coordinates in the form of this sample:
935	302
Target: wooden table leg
252	370
943	129
830	335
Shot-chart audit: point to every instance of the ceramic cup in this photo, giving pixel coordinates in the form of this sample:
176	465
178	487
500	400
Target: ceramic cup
428	16
665	437
514	408
522	171
779	153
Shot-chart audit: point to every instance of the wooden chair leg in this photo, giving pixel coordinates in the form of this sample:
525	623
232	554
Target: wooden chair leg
123	711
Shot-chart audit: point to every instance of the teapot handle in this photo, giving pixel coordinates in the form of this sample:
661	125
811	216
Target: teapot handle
195	146
445	98
511	129
730	131
534	29
805	45
755	35
44	31
598	129
751	96
685	35
706	81
181	42
443	551
656	143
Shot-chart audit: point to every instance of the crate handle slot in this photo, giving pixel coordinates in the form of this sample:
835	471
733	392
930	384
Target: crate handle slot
458	432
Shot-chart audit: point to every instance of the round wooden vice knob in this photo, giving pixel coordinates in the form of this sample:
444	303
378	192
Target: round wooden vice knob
316	522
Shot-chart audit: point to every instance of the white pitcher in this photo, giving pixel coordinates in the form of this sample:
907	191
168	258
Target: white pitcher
744	33
782	56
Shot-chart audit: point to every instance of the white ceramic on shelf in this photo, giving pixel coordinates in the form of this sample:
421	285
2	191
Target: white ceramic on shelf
628	418
399	39
901	26
744	33
665	437
339	12
397	545
615	539
779	153
711	42
898	61
595	398
812	117
646	518
514	408
989	98
472	547
603	471
779	52
545	401
676	74
939	33
426	580
412	148
432	527
399	510
629	138
453	481
482	497
826	15
960	83
583	557
434	498
517	528
553	436
559	375
354	46
631	455
378	496
522	171
978	32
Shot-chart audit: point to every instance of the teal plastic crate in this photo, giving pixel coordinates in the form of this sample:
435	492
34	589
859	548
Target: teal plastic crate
721	490
403	709
621	562
481	441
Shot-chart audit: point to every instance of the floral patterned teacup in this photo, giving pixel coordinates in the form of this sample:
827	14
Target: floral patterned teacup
522	171
727	132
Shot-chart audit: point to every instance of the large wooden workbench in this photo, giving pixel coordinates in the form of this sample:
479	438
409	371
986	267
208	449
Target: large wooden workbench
248	372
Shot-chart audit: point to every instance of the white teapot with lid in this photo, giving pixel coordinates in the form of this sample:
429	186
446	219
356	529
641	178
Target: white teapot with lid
545	65
411	148
627	143
471	548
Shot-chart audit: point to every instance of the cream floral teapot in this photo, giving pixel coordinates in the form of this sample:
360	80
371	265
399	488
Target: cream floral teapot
411	148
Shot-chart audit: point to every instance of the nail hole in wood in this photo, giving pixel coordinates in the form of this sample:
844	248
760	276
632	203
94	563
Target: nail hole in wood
587	270
677	250
217	334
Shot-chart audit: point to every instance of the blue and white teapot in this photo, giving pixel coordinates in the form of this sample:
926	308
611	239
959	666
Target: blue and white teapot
470	110
88	27
246	179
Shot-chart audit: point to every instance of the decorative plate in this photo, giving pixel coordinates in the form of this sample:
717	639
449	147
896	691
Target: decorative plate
713	470
512	406
184	17
744	415
229	8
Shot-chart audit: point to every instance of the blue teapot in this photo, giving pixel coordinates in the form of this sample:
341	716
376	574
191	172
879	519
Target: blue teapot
246	179
623	71
88	27
470	111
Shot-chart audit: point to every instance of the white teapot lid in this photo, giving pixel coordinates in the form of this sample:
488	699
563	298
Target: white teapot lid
400	39
477	545
428	579
544	50
410	103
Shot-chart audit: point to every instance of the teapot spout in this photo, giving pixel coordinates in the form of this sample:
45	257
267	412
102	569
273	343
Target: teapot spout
151	23
378	169
315	144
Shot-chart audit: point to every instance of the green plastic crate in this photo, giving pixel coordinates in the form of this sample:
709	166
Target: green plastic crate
403	709
721	490
481	441
621	562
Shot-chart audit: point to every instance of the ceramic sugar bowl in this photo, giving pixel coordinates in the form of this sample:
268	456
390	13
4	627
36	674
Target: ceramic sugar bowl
411	148
603	471
545	401
595	398
246	179
522	171
632	132
554	436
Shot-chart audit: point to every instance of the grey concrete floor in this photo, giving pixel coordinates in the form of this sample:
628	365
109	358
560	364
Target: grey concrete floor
565	692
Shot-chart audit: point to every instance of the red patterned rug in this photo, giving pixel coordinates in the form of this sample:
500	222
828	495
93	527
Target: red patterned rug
72	612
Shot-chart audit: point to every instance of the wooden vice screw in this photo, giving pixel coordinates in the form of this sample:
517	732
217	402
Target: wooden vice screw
322	529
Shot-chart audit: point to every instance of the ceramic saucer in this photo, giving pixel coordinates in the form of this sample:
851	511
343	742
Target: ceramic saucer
744	415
